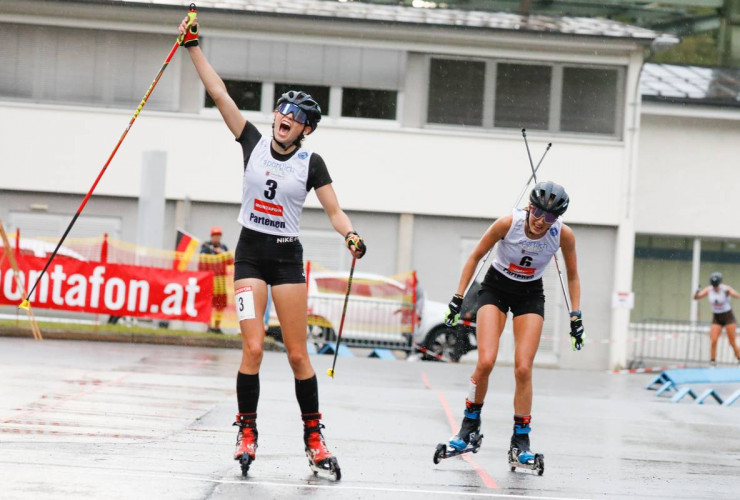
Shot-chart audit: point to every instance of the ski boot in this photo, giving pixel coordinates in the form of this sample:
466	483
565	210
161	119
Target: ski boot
468	437
319	457
246	440
520	455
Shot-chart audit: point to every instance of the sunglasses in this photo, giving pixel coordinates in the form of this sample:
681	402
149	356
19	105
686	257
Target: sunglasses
287	108
538	213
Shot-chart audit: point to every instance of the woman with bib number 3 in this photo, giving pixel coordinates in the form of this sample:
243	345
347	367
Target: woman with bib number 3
278	174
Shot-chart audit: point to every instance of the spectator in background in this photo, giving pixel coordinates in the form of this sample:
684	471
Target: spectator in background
722	316
214	257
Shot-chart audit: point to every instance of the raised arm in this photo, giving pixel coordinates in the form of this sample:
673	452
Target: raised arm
213	83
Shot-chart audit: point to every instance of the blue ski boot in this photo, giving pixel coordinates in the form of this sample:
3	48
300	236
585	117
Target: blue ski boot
468	437
520	454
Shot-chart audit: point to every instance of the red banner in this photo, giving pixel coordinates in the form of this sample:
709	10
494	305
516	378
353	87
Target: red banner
119	290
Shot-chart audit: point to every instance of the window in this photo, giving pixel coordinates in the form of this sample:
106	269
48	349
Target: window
456	92
246	95
85	66
320	93
366	103
555	97
522	96
589	100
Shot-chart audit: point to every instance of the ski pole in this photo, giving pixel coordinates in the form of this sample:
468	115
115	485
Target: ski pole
330	371
25	304
557	264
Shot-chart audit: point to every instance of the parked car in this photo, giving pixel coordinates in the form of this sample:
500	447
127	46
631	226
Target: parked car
380	313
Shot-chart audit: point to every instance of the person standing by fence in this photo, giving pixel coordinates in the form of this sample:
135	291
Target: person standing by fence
719	295
278	174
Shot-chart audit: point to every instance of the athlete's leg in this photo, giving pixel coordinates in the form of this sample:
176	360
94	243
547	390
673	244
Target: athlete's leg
714	332
253	333
730	329
247	380
527	331
290	305
490	321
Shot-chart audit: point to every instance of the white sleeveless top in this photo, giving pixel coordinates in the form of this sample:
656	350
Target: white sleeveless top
719	300
273	191
519	258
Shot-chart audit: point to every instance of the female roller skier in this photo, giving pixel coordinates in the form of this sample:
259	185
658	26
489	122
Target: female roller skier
719	295
527	240
278	173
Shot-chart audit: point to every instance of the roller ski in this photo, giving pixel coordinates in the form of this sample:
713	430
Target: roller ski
520	455
467	440
246	440
320	460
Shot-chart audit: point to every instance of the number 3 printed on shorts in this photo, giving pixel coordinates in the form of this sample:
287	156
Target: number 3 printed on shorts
271	187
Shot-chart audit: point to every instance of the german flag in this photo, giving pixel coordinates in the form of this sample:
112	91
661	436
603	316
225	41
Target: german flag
185	248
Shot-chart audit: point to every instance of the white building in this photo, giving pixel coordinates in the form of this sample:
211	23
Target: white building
421	133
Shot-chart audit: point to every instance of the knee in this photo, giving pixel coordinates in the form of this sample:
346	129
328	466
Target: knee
253	351
485	364
523	372
297	359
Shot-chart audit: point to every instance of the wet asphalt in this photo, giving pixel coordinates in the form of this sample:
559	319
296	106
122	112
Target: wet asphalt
102	420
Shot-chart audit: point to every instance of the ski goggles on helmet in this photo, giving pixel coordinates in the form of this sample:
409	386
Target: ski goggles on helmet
538	213
287	108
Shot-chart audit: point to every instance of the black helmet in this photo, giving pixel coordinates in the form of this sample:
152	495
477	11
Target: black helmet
715	279
306	103
550	197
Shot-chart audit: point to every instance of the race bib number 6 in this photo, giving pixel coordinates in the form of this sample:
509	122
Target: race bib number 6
244	299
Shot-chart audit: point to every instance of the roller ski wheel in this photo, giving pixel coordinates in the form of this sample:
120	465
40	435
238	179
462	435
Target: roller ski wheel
244	462
537	463
444	451
328	467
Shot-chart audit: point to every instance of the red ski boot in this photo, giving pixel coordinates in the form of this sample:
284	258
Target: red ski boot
246	440
319	458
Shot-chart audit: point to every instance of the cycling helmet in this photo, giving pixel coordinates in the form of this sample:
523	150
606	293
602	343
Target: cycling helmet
715	279
306	103
550	197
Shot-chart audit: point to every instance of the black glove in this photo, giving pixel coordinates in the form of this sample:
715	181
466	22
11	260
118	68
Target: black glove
577	337
452	315
352	239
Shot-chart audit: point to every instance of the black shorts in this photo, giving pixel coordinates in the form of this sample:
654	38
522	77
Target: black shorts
276	260
509	295
723	319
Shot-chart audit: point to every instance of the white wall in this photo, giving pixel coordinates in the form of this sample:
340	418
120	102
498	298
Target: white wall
688	176
470	174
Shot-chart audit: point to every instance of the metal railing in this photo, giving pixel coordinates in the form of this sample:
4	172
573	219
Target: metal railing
674	341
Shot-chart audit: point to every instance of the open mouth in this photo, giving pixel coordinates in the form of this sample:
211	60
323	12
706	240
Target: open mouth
284	127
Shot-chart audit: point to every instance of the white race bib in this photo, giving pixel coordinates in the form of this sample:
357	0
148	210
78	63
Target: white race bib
244	299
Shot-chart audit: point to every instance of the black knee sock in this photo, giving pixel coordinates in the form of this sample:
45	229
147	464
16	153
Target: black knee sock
307	394
247	392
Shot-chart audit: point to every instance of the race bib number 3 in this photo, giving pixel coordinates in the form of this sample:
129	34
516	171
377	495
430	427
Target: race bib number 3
244	298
